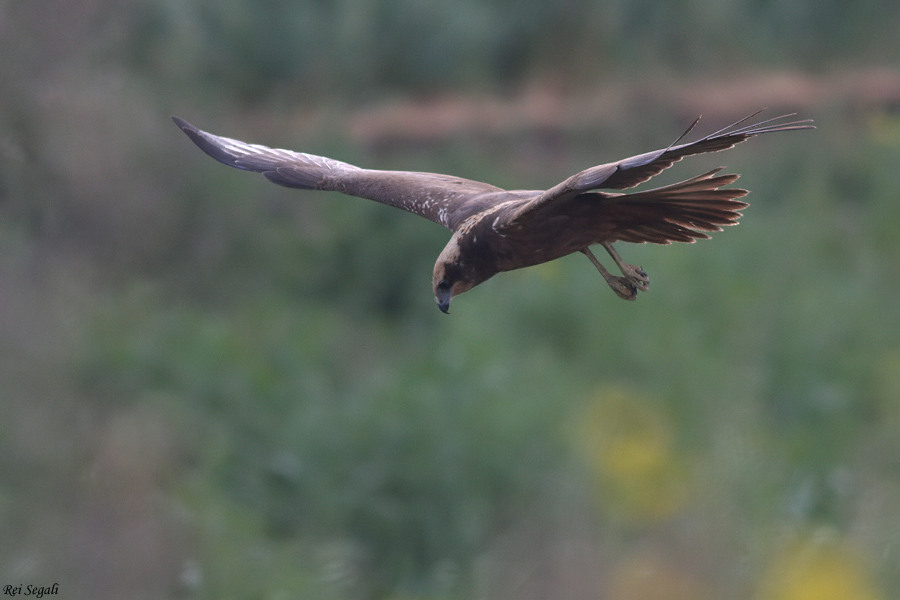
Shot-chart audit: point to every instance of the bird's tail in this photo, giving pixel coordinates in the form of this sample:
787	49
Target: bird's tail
681	212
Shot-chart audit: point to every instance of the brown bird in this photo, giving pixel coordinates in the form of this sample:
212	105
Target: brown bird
498	230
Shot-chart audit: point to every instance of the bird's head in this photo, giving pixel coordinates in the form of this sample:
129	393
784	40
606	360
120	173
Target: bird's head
451	276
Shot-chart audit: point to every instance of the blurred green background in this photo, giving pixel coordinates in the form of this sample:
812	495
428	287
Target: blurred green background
212	387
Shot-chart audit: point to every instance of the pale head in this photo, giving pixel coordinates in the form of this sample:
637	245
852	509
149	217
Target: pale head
451	276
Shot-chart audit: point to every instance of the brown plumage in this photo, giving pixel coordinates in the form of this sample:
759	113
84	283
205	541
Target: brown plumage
498	230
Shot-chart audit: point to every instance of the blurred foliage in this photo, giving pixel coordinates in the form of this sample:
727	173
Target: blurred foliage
211	387
359	48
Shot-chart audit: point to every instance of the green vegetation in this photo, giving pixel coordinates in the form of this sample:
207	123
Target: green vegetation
212	387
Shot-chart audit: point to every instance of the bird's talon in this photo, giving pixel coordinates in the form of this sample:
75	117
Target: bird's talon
623	288
637	276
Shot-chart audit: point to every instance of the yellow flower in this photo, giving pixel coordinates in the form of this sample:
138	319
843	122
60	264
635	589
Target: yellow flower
627	445
818	567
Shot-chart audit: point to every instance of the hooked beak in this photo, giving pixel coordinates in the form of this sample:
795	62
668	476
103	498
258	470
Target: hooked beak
442	297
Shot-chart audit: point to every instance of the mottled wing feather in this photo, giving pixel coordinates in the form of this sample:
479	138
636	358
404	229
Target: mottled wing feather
444	199
629	172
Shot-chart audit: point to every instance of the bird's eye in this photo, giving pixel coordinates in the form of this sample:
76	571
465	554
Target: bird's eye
443	285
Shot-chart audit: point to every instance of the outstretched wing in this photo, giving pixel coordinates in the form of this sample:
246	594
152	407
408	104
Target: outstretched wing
632	171
444	199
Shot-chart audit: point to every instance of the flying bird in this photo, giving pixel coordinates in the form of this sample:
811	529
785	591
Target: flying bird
496	230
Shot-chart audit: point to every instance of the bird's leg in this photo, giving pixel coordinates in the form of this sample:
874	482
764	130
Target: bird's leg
635	275
622	286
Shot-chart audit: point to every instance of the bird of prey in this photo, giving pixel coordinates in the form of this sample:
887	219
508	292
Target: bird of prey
496	230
